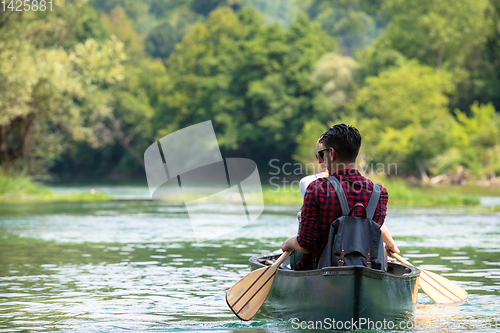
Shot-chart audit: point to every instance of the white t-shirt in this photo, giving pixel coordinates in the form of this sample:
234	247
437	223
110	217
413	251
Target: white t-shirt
304	182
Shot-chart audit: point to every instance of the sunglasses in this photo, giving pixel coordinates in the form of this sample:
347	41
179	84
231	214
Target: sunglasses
321	153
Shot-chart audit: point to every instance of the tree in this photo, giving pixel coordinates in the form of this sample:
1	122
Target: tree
122	27
403	117
435	32
132	101
277	11
204	7
378	57
483	139
487	78
48	93
355	23
337	75
137	11
171	26
123	132
133	105
251	80
306	144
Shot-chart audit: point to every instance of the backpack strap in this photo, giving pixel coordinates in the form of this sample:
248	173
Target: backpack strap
340	194
342	254
372	204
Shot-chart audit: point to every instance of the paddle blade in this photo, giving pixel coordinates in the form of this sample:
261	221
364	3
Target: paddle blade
246	297
440	289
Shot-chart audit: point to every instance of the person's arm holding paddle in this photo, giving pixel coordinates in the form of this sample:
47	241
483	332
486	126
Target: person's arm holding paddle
292	244
390	245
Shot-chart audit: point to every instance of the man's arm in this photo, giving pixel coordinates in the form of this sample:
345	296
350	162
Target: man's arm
389	242
292	244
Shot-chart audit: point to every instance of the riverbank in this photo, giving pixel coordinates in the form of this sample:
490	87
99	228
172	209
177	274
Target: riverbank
21	189
400	193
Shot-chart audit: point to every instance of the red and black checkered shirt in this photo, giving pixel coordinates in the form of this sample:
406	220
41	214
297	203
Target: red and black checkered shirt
322	207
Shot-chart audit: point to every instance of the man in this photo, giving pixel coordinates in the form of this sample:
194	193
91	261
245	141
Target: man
321	206
304	182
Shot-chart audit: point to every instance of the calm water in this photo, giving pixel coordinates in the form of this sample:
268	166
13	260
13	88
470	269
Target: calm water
134	265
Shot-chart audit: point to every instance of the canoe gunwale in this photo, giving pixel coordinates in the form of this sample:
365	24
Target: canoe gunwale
344	270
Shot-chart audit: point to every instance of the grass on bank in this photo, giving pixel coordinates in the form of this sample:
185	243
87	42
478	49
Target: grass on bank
20	188
400	193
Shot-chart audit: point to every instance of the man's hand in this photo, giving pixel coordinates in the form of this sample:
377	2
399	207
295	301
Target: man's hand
391	249
292	244
288	244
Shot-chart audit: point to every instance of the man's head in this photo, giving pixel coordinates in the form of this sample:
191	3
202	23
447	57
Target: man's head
345	141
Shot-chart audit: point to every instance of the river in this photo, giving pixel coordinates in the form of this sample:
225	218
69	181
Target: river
131	264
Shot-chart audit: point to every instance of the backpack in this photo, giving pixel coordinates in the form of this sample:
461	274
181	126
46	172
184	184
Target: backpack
354	240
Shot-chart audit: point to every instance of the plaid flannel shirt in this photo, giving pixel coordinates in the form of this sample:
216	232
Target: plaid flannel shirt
322	207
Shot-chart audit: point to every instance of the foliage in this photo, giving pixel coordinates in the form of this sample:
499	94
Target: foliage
403	117
479	148
377	58
19	185
306	142
337	75
135	102
489	68
446	34
132	103
423	87
403	194
280	11
122	27
171	25
250	79
400	194
354	23
441	31
50	93
21	188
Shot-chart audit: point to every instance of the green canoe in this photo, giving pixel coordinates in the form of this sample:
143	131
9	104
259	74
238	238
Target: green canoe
346	294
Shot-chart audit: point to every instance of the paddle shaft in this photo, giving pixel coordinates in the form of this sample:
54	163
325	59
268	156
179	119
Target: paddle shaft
399	258
281	259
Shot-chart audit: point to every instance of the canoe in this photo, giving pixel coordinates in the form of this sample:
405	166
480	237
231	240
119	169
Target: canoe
346	294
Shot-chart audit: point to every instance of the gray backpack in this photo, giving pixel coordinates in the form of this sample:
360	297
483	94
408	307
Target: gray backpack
354	240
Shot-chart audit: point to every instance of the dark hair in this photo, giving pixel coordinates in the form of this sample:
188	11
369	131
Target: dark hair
345	139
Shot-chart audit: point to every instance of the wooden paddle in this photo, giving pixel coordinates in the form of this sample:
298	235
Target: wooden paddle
439	288
246	297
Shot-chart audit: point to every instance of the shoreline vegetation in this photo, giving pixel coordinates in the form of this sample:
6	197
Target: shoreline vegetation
400	194
21	188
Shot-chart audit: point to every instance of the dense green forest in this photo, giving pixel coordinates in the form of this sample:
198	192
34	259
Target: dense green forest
86	86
